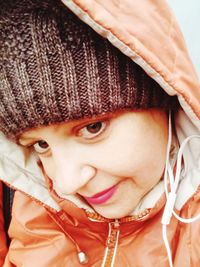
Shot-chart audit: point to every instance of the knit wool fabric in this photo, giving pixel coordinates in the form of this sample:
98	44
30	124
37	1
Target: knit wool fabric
54	69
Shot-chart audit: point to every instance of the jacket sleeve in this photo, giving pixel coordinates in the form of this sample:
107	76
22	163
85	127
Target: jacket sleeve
187	238
3	247
35	238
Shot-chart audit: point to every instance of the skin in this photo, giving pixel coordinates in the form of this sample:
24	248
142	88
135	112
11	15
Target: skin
85	157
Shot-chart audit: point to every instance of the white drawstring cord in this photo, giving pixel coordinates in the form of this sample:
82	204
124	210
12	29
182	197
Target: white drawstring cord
171	196
167	157
169	204
165	239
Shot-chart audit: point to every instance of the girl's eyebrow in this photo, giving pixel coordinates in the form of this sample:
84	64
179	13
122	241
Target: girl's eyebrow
100	117
25	140
93	119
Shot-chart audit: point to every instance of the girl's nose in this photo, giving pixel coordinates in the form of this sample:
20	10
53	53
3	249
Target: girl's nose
72	174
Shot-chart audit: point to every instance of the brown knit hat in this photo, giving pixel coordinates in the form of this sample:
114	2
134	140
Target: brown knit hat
54	68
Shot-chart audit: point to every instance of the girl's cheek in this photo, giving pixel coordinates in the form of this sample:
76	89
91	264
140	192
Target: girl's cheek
49	167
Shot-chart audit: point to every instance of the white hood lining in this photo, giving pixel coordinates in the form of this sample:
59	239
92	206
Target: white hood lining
21	171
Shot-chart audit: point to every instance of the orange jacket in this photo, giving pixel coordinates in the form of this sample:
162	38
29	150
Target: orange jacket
3	248
43	237
48	231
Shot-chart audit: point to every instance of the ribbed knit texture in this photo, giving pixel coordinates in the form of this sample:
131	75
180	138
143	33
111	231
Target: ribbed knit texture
54	68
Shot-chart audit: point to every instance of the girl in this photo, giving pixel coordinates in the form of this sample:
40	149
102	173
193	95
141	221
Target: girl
87	141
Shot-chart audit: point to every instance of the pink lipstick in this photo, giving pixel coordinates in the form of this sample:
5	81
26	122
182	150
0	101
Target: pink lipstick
102	196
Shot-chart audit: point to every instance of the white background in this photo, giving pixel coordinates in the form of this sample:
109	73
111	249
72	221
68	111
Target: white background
187	13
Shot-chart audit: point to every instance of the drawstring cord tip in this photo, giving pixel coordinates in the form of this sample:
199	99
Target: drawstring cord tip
83	259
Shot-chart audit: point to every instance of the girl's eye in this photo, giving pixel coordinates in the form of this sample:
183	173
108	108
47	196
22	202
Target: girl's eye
41	146
92	130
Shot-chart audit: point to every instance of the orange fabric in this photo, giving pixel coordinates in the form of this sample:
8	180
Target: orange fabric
3	248
39	240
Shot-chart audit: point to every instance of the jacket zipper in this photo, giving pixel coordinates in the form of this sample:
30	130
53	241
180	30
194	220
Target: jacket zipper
113	234
111	244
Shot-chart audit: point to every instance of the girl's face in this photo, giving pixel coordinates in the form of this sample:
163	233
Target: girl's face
112	160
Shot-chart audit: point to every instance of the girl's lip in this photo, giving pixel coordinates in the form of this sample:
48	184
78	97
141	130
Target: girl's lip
102	196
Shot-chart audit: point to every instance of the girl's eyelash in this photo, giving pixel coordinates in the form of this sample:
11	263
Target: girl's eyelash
90	136
31	146
38	147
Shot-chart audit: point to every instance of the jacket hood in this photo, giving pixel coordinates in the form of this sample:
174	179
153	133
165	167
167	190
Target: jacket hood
147	32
